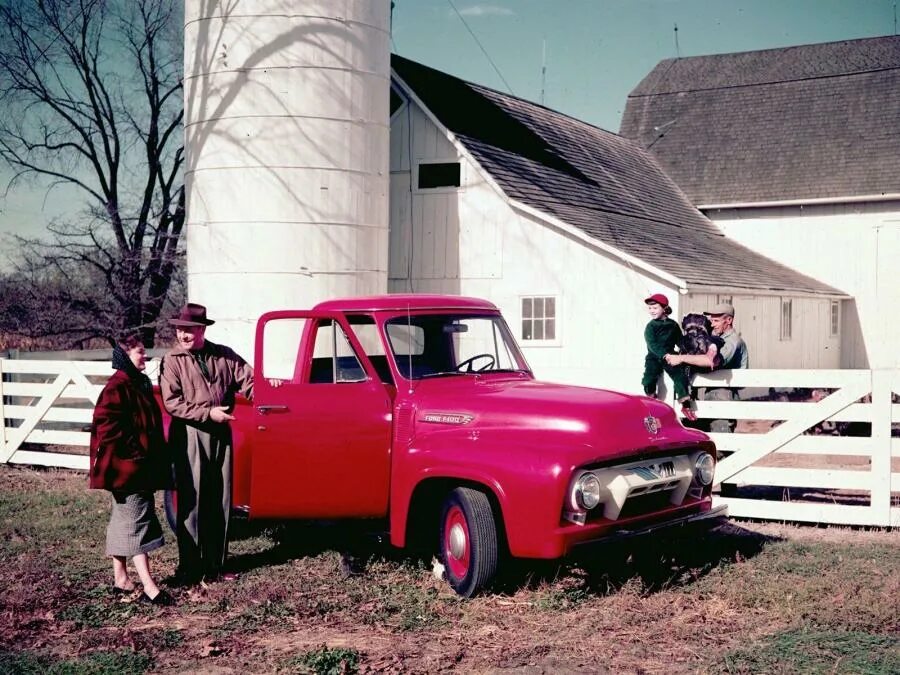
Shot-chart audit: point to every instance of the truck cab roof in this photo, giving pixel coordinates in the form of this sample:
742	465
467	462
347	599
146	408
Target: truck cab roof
404	302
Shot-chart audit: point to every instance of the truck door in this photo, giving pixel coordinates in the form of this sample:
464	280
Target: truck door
322	437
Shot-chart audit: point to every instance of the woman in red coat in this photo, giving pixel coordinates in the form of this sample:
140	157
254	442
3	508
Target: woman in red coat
129	458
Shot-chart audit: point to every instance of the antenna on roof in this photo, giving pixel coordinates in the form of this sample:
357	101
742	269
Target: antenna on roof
544	66
677	49
895	18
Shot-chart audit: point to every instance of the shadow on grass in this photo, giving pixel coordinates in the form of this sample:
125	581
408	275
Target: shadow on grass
663	561
659	562
356	540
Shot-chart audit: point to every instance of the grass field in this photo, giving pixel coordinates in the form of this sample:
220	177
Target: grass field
744	598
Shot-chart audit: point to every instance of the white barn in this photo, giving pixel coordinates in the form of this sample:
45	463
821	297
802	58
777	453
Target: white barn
567	227
794	153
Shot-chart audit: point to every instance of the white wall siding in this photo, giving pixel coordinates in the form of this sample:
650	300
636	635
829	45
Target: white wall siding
470	241
853	247
758	320
427	230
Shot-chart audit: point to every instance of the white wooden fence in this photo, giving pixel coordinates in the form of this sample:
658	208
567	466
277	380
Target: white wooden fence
863	396
50	403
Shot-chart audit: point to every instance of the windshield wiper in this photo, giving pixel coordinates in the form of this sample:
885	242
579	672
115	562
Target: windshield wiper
442	373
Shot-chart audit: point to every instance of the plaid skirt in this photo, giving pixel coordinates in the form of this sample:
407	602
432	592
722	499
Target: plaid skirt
133	525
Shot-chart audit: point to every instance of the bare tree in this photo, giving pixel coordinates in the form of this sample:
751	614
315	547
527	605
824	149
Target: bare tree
91	98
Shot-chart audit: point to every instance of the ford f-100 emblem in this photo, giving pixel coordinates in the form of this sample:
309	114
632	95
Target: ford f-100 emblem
446	418
651	424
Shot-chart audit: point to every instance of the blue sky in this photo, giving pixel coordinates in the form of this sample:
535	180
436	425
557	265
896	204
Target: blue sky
596	52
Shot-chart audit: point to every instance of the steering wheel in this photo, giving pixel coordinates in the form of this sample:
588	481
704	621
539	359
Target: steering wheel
469	363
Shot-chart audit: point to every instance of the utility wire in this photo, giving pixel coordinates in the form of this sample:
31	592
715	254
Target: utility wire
478	42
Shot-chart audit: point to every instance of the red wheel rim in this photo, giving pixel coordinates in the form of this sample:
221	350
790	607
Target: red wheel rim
456	542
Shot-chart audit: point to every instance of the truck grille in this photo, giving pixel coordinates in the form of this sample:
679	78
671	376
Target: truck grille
641	505
643	488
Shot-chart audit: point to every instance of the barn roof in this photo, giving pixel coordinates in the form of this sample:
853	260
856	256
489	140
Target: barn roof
596	181
810	122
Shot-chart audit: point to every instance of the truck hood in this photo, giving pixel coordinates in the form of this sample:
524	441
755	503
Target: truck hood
590	425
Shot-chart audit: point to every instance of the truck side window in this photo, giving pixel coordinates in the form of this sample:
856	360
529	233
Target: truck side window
367	333
281	349
333	358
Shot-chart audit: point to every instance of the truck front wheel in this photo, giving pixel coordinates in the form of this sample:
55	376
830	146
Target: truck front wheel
468	541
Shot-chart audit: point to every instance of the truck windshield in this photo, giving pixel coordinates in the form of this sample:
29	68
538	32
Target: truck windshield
452	344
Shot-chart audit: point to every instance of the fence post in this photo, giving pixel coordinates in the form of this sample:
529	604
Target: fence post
882	381
2	413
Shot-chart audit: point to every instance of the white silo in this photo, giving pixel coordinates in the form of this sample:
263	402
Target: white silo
286	149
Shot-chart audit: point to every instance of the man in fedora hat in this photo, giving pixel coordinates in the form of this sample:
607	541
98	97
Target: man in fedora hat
733	354
199	380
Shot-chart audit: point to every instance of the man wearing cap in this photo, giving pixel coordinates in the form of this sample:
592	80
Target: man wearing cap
199	380
733	355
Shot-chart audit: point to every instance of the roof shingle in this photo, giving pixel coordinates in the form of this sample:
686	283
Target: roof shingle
809	122
594	180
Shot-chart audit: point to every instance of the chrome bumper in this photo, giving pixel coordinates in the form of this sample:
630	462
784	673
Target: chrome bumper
715	513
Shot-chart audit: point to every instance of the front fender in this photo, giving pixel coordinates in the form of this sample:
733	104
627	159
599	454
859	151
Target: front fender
523	475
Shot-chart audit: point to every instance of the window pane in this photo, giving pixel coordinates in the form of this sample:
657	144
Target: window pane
333	357
281	347
526	308
347	366
406	339
538	330
550	329
785	319
527	329
550	307
367	334
538	308
442	174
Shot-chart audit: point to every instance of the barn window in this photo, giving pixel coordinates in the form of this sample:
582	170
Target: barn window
539	319
438	175
835	318
724	298
786	311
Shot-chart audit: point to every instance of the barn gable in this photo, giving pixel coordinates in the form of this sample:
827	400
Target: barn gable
606	186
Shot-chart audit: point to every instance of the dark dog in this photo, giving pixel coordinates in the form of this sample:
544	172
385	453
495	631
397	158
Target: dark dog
696	339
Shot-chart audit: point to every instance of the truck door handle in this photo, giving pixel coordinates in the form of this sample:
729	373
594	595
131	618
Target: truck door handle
266	409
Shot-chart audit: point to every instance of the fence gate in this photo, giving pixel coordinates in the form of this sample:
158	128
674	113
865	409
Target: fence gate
863	467
49	403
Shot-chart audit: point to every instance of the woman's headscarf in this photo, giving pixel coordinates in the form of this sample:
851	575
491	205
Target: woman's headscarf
121	361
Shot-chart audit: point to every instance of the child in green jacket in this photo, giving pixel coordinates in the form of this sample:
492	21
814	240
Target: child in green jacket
662	336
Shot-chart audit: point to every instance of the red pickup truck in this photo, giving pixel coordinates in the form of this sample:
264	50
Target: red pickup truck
421	410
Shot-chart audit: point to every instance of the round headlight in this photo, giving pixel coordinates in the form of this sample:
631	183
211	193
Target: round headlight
705	469
587	491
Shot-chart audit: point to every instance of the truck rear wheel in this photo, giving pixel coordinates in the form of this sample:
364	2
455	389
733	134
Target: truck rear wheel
468	541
